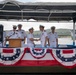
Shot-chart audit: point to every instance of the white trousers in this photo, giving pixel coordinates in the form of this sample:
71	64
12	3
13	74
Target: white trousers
53	44
23	44
30	45
42	43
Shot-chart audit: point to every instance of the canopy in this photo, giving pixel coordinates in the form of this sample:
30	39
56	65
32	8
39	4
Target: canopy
12	9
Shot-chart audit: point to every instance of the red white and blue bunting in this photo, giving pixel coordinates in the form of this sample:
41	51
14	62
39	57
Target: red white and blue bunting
66	57
38	52
10	56
23	56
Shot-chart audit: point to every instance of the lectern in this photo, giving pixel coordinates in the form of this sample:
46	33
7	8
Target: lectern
14	42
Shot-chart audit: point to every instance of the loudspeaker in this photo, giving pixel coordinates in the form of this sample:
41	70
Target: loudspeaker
1	33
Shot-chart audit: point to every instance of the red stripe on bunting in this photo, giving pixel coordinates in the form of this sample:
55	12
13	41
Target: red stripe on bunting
67	51
39	63
7	50
38	49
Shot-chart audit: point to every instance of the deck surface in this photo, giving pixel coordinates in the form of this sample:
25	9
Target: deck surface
51	69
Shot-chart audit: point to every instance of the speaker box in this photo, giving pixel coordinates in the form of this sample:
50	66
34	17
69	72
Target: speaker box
1	33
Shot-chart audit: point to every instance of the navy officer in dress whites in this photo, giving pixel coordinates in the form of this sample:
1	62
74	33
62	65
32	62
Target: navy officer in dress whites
43	37
30	38
53	38
23	34
13	33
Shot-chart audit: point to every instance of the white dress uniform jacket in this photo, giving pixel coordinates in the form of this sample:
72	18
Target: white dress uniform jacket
42	38
52	39
13	34
29	42
23	35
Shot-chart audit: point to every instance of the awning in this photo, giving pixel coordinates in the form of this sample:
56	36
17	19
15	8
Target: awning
11	9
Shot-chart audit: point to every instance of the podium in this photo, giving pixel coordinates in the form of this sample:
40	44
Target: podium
15	42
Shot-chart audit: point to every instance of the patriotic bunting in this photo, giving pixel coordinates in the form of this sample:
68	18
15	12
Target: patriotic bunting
10	56
38	52
23	56
66	57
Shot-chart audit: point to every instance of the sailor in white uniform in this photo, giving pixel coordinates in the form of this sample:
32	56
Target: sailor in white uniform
43	37
23	34
53	38
13	33
30	38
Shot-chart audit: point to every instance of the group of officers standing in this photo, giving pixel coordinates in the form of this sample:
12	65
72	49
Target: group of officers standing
50	39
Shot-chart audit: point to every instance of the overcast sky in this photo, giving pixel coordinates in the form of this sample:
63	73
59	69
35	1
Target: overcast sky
26	25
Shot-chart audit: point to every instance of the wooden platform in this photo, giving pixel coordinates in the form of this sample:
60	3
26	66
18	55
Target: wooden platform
52	69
